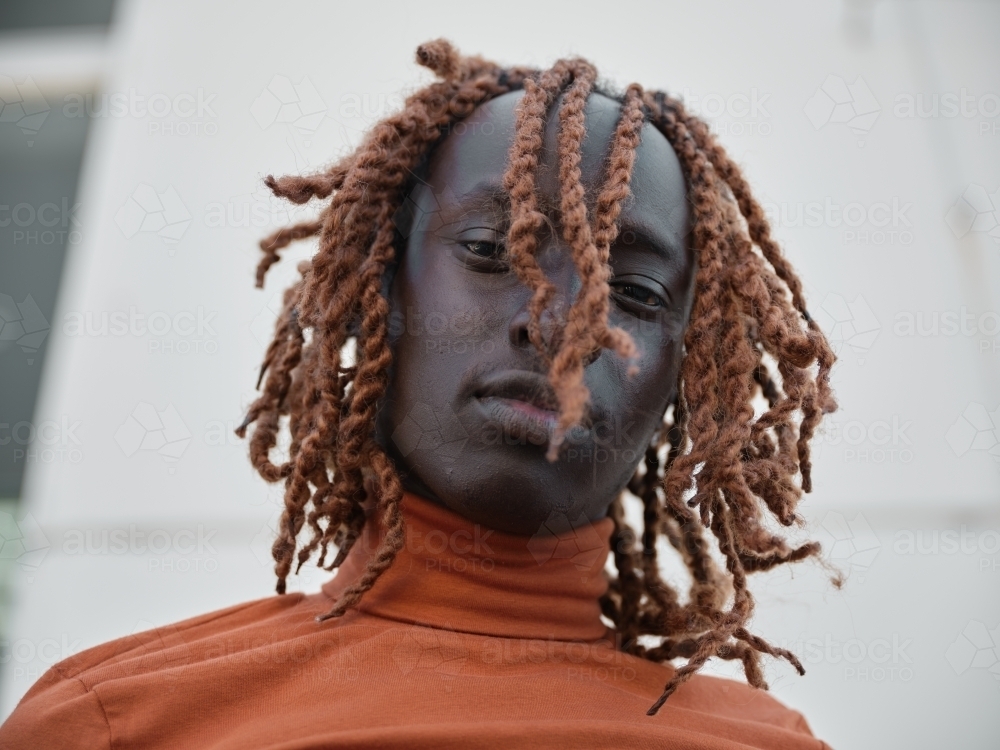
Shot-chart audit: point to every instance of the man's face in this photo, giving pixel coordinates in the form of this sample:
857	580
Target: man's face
468	411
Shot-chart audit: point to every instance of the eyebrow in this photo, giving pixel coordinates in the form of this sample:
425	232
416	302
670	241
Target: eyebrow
486	191
666	247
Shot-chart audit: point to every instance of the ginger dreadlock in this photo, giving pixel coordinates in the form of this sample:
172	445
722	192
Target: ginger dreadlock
722	466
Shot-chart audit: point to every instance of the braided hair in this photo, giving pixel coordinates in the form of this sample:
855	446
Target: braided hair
713	469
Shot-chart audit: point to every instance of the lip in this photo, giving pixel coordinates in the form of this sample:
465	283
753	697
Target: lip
522	404
530	388
520	422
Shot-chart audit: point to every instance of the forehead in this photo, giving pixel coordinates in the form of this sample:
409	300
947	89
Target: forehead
475	153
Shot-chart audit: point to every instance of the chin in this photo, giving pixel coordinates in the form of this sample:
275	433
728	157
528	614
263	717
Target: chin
514	489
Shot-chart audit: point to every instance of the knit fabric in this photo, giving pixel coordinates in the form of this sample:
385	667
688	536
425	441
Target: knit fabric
472	639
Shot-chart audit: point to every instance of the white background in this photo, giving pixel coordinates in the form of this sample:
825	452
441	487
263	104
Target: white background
873	485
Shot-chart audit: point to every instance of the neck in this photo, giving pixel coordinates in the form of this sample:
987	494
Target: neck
452	573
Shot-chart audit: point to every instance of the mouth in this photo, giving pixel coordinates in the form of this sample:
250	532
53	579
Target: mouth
521	405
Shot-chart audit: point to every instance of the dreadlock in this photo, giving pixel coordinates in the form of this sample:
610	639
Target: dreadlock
712	467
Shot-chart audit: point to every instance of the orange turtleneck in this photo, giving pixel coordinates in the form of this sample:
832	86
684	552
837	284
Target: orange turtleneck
471	639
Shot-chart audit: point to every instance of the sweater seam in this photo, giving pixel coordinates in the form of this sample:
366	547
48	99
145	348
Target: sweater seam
97	697
481	634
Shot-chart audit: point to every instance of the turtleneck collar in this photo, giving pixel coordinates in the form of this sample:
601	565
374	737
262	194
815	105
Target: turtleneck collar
458	575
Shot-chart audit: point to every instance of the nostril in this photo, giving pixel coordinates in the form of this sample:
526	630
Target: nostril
523	339
592	357
519	337
550	329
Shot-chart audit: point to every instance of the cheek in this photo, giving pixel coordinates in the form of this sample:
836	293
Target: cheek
442	319
644	396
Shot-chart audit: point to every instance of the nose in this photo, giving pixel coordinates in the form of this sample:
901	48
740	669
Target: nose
556	263
550	327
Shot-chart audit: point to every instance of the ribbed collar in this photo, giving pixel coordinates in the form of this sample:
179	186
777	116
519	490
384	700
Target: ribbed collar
455	574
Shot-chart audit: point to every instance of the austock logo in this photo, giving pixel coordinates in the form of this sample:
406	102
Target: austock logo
976	211
560	539
147	429
837	101
850	323
438	650
976	647
23	105
850	541
298	105
976	430
146	210
22	324
22	543
426	428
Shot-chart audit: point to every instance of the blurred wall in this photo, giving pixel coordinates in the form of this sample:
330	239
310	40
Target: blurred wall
871	131
47	50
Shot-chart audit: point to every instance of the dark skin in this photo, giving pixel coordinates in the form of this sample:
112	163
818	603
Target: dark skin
468	411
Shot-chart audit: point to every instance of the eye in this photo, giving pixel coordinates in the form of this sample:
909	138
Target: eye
485	249
638	293
483	254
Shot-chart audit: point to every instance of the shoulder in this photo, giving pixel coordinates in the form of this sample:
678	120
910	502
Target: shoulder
57	712
64	709
175	644
739	701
